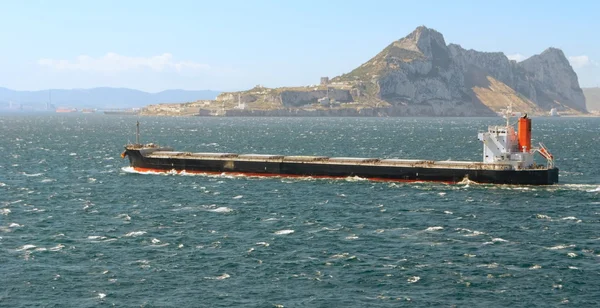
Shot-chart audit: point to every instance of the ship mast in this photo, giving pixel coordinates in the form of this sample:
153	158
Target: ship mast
137	133
508	114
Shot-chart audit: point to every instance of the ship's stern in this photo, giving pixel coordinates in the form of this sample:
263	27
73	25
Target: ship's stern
552	176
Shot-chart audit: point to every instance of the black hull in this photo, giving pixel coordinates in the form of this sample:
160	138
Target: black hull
332	170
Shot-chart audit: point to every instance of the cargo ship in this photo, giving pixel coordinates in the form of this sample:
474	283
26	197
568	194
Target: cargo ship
508	158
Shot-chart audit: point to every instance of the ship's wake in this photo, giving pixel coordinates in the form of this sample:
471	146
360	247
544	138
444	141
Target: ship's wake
465	181
232	175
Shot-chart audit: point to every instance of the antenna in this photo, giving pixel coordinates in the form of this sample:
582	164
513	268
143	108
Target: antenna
137	133
508	114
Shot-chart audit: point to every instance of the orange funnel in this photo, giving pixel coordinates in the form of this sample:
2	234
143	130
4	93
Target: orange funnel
524	134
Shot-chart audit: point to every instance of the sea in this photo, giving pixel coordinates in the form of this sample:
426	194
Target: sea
79	228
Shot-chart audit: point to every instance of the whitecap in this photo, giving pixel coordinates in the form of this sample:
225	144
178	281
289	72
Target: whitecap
572	255
263	244
495	240
355	179
238	197
135	233
413	279
222	209
124	216
96	237
577	220
573	267
352	237
339	256
32	174
559	247
26	247
4	211
155	241
48	180
470	232
222	277
592	190
57	247
437	228
448	212
535	266
101	295
542	216
72	154
491	265
284	232
14	225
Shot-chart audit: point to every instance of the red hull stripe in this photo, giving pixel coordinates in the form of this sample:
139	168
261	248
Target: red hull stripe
252	174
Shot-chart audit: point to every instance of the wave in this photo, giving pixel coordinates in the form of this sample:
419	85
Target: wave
96	237
413	279
32	174
222	209
284	232
26	247
135	233
222	277
560	247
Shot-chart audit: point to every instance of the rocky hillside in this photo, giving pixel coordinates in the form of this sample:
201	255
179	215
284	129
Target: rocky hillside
421	75
421	69
592	98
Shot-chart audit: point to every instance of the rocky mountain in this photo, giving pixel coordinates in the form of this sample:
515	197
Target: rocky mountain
421	70
102	98
419	75
592	98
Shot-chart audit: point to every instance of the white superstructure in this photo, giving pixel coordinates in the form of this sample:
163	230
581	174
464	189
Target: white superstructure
504	145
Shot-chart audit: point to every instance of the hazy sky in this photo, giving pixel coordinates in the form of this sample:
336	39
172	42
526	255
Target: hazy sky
234	45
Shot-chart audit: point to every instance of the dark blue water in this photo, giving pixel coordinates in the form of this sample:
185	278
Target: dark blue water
77	230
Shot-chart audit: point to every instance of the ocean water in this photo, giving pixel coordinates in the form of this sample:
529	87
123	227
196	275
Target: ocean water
77	229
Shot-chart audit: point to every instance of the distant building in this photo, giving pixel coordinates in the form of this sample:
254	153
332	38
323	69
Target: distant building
324	81
324	101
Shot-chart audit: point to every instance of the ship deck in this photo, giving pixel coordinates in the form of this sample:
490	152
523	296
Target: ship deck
357	161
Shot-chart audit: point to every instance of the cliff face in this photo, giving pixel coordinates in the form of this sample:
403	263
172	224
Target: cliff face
421	69
550	81
421	75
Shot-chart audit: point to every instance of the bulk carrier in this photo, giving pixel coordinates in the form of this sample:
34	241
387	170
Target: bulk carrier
508	158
